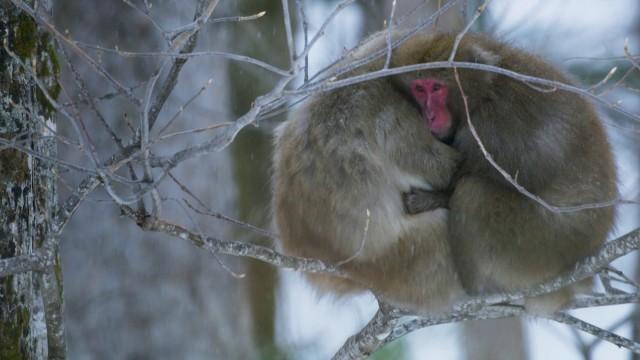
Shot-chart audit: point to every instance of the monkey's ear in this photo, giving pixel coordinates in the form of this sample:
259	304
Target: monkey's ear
485	56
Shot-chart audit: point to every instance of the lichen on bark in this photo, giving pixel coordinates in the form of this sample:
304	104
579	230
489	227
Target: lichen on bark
27	184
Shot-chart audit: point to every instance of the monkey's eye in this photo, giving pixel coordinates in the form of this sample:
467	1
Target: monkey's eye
437	87
419	88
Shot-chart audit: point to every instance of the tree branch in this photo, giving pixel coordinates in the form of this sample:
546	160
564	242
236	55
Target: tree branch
20	264
234	248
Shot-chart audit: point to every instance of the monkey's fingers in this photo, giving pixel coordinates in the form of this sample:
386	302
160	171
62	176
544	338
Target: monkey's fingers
418	201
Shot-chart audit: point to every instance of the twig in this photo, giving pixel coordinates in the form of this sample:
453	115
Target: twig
195	224
187	55
185	33
363	241
204	9
604	80
513	180
225	137
238	18
239	223
94	64
332	85
183	107
628	55
145	129
458	39
106	96
287	27
596	331
219	215
305	30
389	32
84	93
330	72
341	5
147	15
623	278
192	131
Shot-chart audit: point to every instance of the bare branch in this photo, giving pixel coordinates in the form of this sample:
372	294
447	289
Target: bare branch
185	105
605	79
596	331
489	312
204	9
305	30
184	34
227	247
88	184
389	33
94	64
609	252
147	15
238	18
341	5
332	85
630	57
225	137
456	43
371	337
187	55
86	97
604	300
330	72
221	216
20	264
287	27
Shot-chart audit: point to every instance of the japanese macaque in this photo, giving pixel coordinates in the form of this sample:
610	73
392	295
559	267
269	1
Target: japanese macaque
342	162
550	141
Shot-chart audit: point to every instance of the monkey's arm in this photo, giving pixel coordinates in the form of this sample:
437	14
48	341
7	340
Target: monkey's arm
418	200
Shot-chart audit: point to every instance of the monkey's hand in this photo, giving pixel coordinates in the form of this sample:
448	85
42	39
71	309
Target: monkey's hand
418	200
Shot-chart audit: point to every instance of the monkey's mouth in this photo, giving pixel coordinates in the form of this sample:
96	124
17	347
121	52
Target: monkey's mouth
439	123
431	118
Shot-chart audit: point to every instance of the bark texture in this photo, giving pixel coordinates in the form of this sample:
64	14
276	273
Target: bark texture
27	184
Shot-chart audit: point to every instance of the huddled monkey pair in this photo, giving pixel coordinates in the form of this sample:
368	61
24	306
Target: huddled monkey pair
386	179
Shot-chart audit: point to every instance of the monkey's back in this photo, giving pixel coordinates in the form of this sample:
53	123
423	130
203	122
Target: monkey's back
337	195
554	144
332	175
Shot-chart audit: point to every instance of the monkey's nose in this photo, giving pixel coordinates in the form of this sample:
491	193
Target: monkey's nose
427	114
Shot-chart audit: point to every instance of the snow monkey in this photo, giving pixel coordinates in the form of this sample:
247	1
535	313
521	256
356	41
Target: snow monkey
341	166
342	159
550	141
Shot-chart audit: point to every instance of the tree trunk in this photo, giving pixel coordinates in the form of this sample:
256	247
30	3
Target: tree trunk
263	39
30	303
502	339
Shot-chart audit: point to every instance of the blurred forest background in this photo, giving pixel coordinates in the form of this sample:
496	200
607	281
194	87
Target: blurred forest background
136	295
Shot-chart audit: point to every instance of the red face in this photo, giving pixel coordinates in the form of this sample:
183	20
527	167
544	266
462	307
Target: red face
431	94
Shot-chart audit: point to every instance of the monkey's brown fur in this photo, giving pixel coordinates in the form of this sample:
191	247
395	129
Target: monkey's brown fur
356	150
552	142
